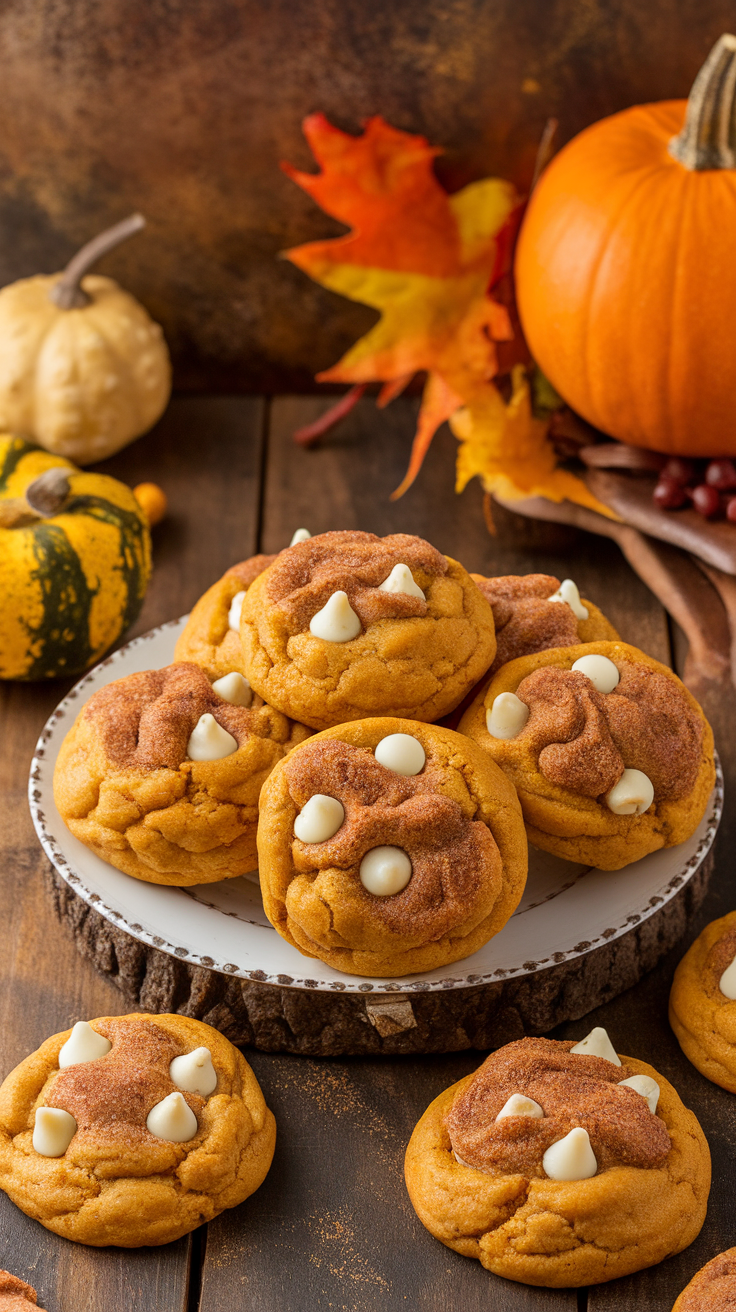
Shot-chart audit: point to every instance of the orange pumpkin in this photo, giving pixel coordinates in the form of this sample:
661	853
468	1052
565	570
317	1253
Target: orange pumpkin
626	274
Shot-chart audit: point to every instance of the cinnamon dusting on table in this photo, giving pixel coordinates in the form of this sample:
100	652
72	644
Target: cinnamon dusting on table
452	856
573	1090
304	578
585	739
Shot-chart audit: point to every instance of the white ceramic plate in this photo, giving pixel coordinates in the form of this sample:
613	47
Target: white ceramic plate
566	909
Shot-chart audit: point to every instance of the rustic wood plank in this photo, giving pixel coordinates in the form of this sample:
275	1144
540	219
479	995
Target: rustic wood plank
206	453
332	1227
347	480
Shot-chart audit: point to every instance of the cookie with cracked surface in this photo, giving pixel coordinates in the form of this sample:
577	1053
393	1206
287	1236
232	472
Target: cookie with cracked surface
546	1167
16	1295
388	847
528	620
712	1288
160	774
132	1130
348	625
211	636
703	1002
611	756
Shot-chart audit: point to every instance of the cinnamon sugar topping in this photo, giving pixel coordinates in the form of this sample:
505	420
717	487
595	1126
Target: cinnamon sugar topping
112	1097
526	621
573	1090
452	857
585	739
713	1288
145	720
717	961
247	570
305	577
16	1295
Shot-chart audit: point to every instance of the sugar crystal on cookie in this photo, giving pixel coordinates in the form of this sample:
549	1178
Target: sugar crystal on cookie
576	1090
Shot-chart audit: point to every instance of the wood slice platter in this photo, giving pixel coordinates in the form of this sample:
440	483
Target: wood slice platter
578	938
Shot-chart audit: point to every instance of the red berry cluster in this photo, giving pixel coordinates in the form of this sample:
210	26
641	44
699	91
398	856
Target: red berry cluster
709	486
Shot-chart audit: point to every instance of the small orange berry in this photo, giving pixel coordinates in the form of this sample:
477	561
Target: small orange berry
152	501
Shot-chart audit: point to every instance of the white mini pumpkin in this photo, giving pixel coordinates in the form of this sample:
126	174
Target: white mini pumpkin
83	368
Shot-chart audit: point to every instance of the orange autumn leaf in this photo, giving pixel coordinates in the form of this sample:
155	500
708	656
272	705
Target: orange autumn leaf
427	261
421	257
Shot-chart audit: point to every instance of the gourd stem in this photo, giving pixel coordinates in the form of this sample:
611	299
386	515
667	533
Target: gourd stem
67	293
708	138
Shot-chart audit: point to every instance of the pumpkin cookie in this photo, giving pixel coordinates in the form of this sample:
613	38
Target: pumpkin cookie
388	847
161	771
132	1130
532	612
347	625
610	754
703	1002
560	1164
712	1288
211	636
16	1295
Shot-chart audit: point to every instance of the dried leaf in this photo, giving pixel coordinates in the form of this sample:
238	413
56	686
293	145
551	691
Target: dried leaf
428	262
507	447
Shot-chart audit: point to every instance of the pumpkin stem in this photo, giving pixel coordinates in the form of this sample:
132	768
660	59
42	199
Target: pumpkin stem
47	493
67	293
545	150
43	498
708	138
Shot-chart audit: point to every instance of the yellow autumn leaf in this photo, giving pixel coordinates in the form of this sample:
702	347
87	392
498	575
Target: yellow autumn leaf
507	447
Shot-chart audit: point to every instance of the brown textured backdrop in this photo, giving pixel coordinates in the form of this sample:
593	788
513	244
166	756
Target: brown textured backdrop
183	109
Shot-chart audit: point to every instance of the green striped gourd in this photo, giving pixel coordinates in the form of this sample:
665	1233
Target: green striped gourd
75	560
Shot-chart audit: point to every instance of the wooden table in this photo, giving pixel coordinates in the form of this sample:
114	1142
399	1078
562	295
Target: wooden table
332	1227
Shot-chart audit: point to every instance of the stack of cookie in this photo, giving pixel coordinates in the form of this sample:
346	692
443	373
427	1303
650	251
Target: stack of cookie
456	716
383	733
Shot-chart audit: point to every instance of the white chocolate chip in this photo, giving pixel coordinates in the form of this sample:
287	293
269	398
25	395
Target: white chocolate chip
401	579
172	1119
571	1158
507	716
208	741
568	592
597	1044
602	672
234	688
235	611
319	819
194	1072
83	1044
384	871
632	795
727	982
401	753
301	535
519	1105
53	1131
646	1086
336	621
